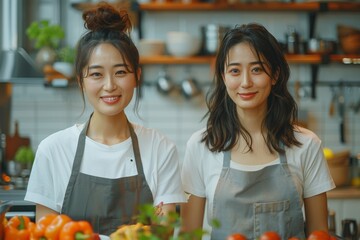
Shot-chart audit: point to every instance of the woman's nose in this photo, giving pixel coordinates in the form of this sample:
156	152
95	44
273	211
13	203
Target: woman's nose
109	83
245	79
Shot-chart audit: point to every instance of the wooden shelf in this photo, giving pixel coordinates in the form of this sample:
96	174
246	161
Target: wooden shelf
86	5
266	6
256	6
177	60
293	58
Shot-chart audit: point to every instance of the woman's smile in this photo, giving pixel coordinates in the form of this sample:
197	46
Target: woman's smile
111	99
247	96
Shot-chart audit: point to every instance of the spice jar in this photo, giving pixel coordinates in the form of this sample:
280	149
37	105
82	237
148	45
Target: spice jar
355	170
292	41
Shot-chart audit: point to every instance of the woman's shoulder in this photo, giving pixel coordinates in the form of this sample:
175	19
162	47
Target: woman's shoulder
306	136
150	134
66	135
196	137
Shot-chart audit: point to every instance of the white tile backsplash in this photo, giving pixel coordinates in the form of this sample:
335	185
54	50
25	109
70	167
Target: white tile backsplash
41	111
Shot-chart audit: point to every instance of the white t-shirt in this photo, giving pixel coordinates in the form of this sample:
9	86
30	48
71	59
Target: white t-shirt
55	156
201	168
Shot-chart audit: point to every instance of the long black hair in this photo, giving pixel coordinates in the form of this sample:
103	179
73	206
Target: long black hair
223	125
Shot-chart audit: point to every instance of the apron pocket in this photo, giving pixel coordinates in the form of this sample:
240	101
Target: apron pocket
271	216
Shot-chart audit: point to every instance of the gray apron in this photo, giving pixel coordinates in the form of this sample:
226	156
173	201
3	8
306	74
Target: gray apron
252	203
105	203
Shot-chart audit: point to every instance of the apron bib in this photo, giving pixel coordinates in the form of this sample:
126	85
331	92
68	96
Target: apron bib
105	203
252	203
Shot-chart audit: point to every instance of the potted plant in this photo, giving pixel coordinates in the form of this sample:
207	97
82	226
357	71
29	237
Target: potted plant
46	38
65	61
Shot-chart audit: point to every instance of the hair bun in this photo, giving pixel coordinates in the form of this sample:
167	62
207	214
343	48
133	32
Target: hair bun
104	17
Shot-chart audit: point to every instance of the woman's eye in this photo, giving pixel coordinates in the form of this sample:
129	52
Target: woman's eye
257	70
120	72
95	74
234	71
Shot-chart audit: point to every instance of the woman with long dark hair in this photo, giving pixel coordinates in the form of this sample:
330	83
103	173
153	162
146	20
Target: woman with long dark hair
253	168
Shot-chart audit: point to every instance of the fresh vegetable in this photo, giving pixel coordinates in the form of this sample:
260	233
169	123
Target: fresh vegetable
236	236
270	235
52	232
76	230
37	230
17	228
319	235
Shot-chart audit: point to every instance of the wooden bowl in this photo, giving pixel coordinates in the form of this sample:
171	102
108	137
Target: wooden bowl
349	39
340	174
340	158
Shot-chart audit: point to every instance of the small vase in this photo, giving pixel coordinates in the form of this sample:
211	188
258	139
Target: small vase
65	68
46	55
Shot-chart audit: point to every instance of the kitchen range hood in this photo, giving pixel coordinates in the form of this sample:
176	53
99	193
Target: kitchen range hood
16	65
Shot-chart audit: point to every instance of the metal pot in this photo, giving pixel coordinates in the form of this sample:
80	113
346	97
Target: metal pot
212	36
320	46
164	84
190	88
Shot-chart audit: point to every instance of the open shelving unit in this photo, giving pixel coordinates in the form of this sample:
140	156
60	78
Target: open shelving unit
312	8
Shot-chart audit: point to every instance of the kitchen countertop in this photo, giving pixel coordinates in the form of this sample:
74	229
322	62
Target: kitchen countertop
347	192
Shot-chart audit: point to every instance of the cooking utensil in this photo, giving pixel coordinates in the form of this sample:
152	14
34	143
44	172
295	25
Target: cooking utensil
332	102
190	88
341	109
14	142
164	83
212	36
349	229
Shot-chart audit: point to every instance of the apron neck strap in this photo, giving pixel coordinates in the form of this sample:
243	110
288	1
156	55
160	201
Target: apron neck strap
227	156
81	146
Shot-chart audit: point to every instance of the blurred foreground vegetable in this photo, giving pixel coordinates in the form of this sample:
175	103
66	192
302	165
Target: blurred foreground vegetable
49	227
17	228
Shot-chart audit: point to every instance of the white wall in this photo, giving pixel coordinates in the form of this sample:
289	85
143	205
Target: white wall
41	111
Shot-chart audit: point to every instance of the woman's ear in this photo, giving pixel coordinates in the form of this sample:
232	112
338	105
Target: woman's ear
275	78
138	76
78	81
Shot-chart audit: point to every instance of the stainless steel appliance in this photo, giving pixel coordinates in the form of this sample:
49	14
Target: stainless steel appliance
18	205
16	65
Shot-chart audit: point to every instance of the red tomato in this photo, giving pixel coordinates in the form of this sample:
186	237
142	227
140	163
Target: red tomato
236	236
319	235
270	235
294	238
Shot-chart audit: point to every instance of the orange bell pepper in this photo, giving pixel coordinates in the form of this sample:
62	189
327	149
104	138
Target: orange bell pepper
76	230
52	232
17	228
37	230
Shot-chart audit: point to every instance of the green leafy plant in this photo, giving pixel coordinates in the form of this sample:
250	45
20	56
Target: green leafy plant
24	155
45	34
161	227
67	54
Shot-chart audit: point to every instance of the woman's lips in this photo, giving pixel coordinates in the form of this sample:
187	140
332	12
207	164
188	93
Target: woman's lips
111	100
247	96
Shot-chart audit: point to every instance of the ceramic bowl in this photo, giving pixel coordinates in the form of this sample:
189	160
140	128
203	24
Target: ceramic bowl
182	44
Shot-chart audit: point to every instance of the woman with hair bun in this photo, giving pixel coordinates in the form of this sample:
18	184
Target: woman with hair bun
102	170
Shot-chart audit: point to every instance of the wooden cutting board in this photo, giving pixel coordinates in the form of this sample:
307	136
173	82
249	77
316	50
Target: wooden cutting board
14	142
